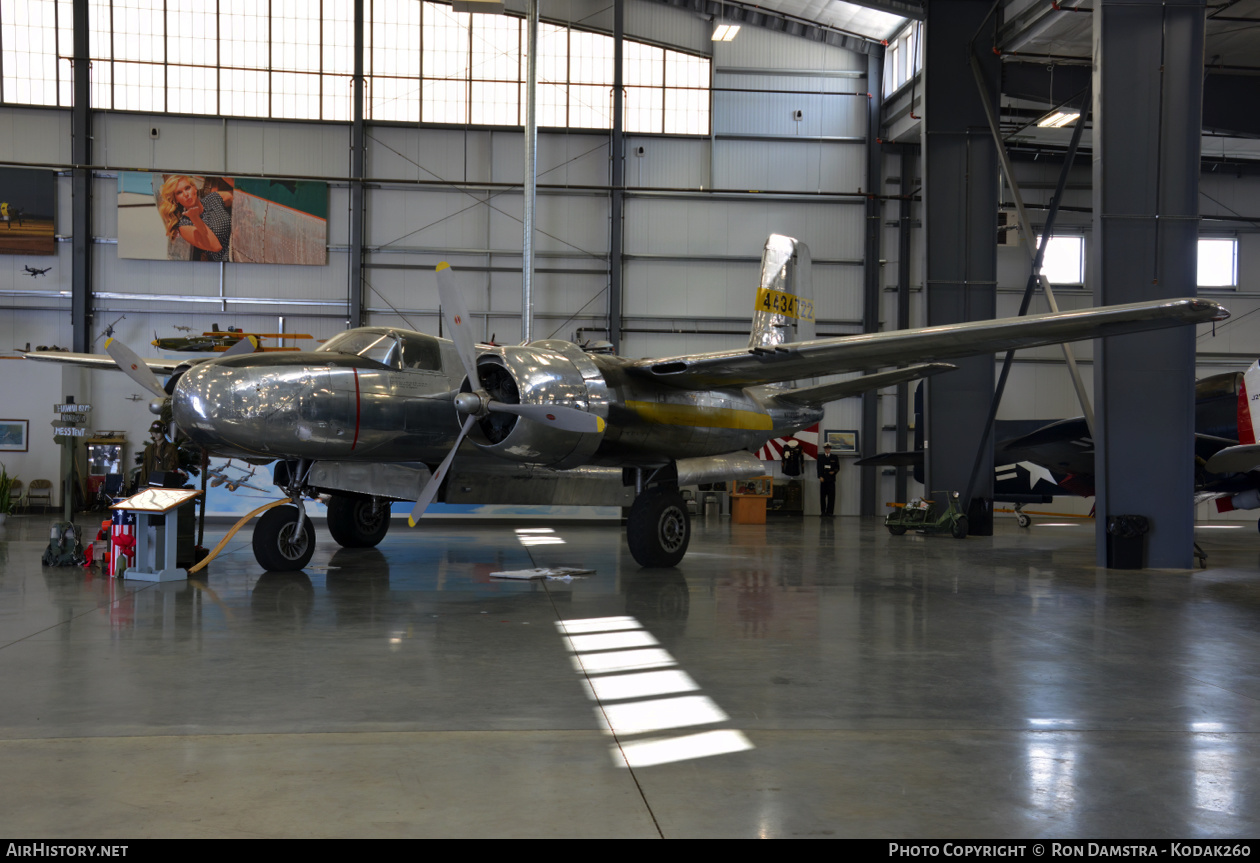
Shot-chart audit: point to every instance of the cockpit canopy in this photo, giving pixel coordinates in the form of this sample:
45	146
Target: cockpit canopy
393	349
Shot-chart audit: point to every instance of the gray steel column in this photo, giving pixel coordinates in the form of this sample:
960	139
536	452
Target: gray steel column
531	176
358	163
1148	97
618	198
81	187
909	158
960	196
871	269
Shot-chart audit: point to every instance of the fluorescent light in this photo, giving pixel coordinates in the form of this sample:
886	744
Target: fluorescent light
725	32
1057	119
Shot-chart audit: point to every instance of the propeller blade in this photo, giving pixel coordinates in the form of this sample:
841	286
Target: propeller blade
430	490
134	367
555	416
456	315
247	345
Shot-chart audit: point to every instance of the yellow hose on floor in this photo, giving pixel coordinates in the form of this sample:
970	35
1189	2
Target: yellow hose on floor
231	533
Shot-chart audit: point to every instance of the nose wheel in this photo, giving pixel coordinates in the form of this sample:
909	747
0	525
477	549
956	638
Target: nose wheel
280	544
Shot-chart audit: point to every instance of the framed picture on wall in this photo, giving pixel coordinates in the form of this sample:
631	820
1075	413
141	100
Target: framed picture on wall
842	442
14	435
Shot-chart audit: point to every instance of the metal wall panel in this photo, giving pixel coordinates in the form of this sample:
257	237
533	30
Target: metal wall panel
787	166
666	163
764	49
35	135
703	226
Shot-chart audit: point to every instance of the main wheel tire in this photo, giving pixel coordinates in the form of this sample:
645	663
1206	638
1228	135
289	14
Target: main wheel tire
353	523
959	530
278	547
1022	520
896	529
658	529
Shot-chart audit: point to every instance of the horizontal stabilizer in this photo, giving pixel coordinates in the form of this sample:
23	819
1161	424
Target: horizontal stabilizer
1235	459
817	396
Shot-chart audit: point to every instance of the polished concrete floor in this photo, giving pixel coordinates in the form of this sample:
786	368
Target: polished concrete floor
808	678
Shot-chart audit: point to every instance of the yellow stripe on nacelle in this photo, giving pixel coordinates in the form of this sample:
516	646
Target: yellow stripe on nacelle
700	417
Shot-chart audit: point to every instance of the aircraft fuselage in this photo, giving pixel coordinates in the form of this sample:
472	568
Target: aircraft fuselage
396	404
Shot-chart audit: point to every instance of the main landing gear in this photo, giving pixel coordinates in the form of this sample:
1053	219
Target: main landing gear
658	528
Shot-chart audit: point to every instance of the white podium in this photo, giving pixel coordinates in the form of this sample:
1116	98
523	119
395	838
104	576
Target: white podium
157	550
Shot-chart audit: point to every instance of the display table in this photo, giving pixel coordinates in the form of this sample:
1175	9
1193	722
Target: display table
157	549
748	500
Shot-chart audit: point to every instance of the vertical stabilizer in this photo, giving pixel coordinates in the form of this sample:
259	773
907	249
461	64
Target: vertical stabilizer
1248	411
784	310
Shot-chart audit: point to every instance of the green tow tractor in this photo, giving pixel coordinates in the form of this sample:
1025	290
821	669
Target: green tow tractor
925	516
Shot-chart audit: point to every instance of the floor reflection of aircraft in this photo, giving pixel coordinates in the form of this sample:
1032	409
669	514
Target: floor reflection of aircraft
1036	460
378	414
33	272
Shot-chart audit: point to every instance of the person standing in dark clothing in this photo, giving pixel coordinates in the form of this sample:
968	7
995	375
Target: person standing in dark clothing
828	469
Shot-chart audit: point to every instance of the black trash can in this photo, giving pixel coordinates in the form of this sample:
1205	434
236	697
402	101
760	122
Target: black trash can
1126	541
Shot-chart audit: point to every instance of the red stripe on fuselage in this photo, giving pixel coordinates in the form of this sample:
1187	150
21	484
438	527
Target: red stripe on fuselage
355	442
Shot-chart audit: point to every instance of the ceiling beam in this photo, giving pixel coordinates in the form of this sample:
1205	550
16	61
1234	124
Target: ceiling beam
753	16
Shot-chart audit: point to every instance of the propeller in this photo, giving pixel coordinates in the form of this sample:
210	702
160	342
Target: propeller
134	367
477	404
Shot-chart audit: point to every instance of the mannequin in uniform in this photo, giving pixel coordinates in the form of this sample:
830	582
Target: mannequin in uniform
159	455
828	469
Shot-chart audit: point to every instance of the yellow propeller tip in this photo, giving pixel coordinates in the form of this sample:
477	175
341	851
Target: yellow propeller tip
443	266
109	341
411	522
600	424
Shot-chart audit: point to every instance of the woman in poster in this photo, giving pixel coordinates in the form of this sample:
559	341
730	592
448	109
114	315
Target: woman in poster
203	219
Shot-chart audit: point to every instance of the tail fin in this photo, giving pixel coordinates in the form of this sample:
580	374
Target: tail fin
1248	416
785	296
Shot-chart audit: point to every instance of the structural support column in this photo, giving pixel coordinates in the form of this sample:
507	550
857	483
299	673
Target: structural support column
531	174
1148	97
960	194
358	164
909	159
871	269
617	204
81	187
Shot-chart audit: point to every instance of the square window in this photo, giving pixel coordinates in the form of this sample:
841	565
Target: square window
1064	261
1218	263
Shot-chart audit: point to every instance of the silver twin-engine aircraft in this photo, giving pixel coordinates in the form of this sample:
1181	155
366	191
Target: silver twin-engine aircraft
380	414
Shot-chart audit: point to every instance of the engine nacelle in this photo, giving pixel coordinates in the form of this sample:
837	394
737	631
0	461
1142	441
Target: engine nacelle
542	372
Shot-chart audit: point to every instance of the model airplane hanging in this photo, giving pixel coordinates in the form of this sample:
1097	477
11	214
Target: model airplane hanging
33	272
379	414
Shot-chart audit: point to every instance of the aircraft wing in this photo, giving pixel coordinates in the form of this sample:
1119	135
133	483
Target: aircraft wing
1235	459
99	361
765	365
